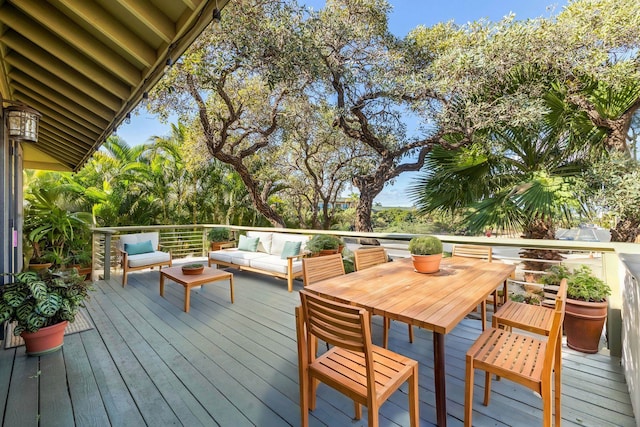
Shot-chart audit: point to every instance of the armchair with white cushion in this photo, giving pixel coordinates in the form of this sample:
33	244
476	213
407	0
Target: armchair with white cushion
140	251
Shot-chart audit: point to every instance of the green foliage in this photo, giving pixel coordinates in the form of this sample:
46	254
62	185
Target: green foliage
51	224
193	266
526	298
425	245
555	275
321	242
583	285
218	234
40	299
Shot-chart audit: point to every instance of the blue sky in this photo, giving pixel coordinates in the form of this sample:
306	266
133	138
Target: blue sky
406	14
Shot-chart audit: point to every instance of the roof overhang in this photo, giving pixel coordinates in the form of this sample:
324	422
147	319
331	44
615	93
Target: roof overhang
86	64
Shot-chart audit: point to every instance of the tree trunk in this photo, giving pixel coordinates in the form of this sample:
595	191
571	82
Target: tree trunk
539	229
626	230
363	210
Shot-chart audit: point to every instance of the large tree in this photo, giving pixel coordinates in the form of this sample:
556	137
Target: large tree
369	78
235	82
587	55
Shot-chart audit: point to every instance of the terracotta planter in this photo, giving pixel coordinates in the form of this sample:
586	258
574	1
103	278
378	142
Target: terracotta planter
38	267
216	246
427	263
583	323
45	340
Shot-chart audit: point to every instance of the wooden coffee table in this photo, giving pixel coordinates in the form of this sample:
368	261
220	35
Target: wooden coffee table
208	275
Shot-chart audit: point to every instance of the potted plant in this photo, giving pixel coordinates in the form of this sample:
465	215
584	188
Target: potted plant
586	310
426	253
42	303
81	260
325	244
192	269
219	237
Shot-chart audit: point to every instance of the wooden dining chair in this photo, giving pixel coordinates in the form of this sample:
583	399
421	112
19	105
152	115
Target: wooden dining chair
319	268
537	319
366	373
479	252
369	257
525	359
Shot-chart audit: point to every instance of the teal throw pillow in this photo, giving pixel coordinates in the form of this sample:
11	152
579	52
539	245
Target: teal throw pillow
290	249
139	248
248	243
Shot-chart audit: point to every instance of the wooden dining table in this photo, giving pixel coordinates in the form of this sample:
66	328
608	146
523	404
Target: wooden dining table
437	301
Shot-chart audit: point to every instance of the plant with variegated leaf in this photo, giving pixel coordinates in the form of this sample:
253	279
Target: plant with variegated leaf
39	299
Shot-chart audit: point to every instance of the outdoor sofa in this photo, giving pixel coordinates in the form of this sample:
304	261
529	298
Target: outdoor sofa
272	253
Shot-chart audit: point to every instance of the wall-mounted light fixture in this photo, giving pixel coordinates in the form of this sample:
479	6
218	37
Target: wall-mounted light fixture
22	121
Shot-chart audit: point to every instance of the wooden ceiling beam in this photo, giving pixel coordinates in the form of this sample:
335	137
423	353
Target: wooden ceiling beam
63	105
55	148
64	133
68	118
65	29
95	100
152	18
102	21
56	48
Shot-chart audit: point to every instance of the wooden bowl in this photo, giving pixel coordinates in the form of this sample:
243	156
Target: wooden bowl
191	270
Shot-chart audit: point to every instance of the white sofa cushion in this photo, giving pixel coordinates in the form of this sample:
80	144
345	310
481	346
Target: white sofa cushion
264	245
279	239
235	256
141	260
275	264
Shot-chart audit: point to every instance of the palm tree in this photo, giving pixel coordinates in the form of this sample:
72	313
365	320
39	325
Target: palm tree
519	180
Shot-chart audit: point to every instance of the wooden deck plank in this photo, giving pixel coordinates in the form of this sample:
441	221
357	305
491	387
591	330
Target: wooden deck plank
236	364
209	359
88	408
22	400
6	366
116	398
173	374
55	405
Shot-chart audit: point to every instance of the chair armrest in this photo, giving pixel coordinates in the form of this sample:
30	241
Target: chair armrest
292	257
227	245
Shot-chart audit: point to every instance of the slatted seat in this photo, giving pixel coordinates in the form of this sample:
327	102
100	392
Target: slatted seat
366	373
479	252
532	318
320	268
369	257
524	359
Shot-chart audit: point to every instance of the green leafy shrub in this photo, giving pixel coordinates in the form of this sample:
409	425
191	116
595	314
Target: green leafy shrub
321	242
583	285
555	274
219	234
425	245
39	299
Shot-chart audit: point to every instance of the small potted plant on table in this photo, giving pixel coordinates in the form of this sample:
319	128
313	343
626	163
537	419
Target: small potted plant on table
192	269
42	303
426	253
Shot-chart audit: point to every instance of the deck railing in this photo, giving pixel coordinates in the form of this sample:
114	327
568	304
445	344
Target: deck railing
617	264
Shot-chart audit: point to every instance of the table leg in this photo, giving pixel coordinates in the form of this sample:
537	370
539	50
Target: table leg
440	381
161	284
231	286
187	298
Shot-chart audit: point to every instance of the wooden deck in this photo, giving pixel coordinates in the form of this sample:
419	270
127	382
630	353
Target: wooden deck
147	362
